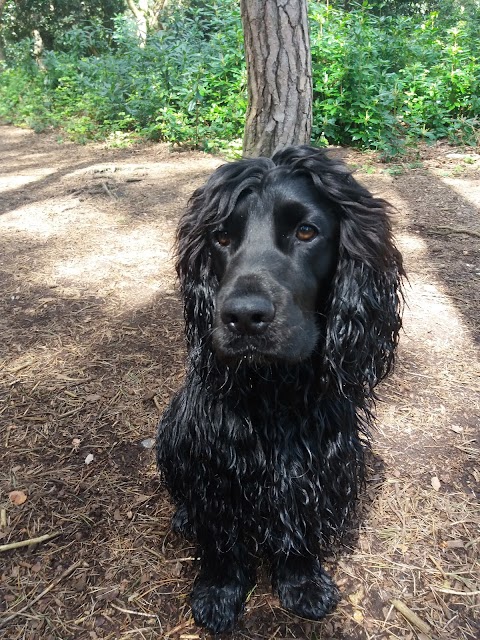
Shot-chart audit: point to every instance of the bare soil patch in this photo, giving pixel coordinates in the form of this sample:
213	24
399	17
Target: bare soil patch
91	349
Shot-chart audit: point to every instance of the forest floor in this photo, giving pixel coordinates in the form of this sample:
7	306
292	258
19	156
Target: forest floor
91	349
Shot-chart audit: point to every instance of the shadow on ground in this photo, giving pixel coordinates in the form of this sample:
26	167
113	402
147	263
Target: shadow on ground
448	224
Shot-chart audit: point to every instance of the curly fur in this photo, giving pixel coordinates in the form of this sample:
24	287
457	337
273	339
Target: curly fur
264	454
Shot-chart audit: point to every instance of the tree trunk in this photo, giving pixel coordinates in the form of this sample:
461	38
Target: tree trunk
279	70
140	11
146	14
38	48
2	50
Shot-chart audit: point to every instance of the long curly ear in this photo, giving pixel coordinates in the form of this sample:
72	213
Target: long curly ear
198	282
363	324
209	205
364	318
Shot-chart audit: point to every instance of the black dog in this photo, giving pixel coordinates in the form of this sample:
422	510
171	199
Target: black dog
292	292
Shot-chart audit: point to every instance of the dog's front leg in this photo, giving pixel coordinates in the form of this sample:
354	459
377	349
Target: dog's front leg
303	586
221	588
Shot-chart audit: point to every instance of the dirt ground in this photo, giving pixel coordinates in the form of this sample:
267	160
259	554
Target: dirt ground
91	349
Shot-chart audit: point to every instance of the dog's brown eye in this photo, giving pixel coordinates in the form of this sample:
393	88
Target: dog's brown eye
306	232
222	238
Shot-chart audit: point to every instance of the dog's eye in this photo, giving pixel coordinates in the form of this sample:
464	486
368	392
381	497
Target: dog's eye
222	238
306	232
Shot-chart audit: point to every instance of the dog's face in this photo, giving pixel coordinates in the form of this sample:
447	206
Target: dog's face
274	256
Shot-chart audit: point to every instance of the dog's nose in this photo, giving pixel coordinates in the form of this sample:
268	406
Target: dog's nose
247	315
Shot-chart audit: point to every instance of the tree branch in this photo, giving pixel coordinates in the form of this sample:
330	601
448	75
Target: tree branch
133	8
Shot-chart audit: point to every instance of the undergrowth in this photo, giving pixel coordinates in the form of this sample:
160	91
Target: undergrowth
380	82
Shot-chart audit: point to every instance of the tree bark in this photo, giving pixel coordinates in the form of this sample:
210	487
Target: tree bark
2	50
279	71
140	14
146	15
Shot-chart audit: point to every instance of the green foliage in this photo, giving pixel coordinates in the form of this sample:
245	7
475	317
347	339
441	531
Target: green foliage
381	80
187	85
53	18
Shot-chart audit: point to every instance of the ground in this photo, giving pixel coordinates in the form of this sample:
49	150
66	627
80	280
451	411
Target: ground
91	350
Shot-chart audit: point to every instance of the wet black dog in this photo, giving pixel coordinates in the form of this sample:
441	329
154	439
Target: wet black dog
291	288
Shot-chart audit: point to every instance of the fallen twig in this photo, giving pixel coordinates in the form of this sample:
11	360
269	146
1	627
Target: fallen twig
29	542
456	593
186	559
108	192
157	404
133	613
170	560
411	617
7	435
444	230
189	623
21	611
19	367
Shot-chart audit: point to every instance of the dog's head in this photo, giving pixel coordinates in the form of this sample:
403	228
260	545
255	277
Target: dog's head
274	257
280	258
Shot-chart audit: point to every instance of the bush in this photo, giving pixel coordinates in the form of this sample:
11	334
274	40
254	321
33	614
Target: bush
187	85
380	81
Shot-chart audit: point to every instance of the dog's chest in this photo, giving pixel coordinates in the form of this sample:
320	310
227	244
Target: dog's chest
281	459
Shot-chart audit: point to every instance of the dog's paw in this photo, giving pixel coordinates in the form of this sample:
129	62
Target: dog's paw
216	607
311	594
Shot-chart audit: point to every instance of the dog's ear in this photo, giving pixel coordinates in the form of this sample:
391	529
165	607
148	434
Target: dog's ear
198	282
207	208
363	322
364	316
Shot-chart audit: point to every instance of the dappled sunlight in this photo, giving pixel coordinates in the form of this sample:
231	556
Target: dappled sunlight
9	183
436	361
99	267
429	398
411	244
42	218
47	360
438	323
130	266
435	330
166	168
467	189
90	252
